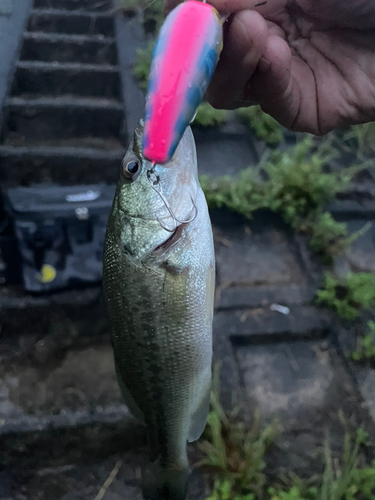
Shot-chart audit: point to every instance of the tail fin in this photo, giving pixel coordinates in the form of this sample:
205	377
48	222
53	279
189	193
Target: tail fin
162	483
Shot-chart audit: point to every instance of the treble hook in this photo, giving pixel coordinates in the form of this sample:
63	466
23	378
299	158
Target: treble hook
154	180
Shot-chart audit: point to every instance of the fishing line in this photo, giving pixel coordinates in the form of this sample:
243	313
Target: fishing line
147	6
154	180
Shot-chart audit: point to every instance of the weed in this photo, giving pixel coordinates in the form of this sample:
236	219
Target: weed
300	492
243	195
363	137
141	68
263	125
351	480
152	11
326	233
297	183
235	453
350	295
153	16
338	481
223	490
297	187
366	345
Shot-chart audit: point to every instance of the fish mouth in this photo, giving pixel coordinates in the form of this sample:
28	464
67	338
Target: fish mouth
166	245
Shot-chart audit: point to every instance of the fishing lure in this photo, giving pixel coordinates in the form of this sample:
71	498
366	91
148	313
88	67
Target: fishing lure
184	60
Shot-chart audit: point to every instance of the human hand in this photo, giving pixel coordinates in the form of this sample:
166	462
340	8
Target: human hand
309	63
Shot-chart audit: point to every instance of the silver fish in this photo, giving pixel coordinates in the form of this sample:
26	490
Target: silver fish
159	280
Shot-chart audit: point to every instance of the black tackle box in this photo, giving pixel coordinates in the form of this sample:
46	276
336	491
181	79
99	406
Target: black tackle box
59	233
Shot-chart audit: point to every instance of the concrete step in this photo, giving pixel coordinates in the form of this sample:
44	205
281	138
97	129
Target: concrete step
52	119
57	47
90	5
64	165
62	21
62	339
34	77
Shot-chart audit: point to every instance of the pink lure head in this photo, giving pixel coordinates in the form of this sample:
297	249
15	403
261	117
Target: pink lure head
184	60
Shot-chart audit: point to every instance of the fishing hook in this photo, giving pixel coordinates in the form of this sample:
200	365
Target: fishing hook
154	180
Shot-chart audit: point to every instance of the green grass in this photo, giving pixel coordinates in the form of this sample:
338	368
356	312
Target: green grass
348	296
362	137
141	68
234	457
234	452
346	479
297	187
366	345
264	127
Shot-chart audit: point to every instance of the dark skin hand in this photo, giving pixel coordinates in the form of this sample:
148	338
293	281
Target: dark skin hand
309	63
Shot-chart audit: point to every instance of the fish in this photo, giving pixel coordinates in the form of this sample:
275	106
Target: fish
159	281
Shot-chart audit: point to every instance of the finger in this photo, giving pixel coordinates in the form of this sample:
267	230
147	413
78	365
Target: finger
285	87
275	29
244	44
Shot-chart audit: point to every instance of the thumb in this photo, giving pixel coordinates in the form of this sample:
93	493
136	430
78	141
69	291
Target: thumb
245	40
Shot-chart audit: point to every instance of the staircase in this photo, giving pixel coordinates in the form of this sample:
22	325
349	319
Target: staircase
64	118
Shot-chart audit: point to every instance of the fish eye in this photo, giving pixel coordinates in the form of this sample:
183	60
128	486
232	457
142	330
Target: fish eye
130	169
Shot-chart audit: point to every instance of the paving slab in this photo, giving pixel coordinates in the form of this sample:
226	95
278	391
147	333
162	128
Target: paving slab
304	385
363	373
360	254
263	296
258	252
263	324
254	325
221	153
